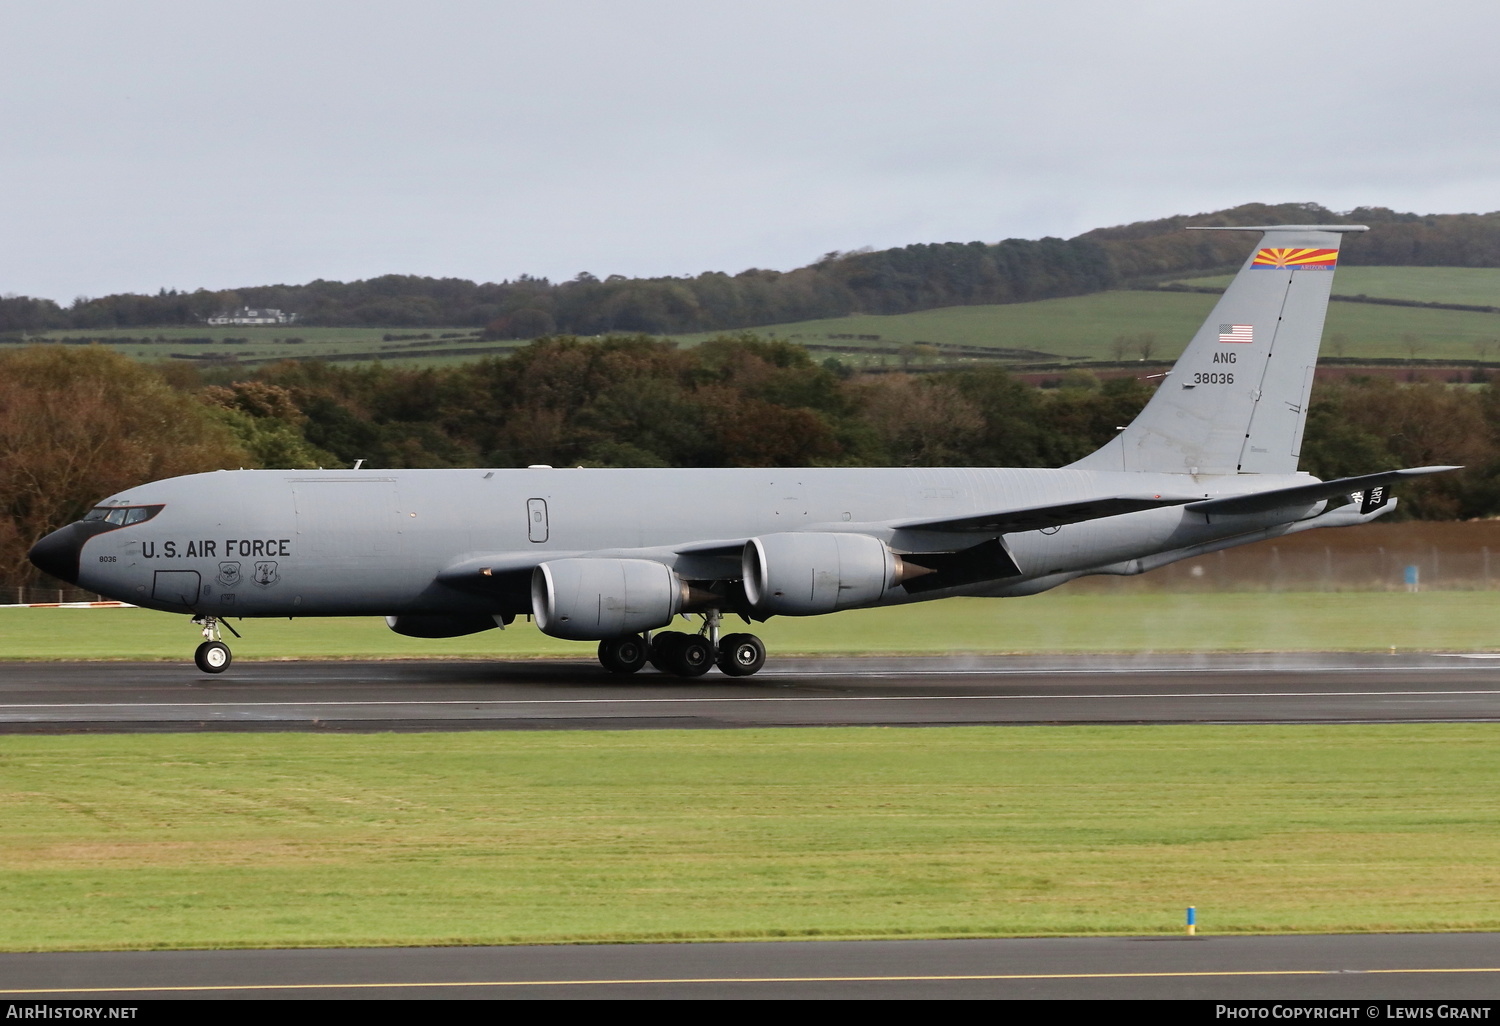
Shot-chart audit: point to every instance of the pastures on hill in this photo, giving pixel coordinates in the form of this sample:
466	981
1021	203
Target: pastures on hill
1085	328
1080	328
1469	286
238	345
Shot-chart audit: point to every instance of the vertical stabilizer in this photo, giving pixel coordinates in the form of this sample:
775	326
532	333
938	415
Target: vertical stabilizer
1236	400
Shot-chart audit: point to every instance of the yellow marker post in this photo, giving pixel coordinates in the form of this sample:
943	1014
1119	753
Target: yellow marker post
1192	920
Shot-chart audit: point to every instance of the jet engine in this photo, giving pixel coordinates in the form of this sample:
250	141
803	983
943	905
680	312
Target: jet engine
592	599
807	574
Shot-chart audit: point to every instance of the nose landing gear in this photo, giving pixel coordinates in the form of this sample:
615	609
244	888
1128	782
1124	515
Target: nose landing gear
213	655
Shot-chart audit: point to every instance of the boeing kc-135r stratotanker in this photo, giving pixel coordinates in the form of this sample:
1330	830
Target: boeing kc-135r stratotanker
614	556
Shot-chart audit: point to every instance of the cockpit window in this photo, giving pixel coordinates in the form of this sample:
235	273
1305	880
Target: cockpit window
121	516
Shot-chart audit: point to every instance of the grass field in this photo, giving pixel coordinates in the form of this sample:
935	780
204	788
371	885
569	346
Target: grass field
1084	327
223	840
1133	621
1470	286
269	343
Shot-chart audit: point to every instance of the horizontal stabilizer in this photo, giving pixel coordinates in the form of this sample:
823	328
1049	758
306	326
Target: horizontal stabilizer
1010	521
1278	228
1306	495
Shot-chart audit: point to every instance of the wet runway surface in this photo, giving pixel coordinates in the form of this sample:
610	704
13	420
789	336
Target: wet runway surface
1361	969
527	695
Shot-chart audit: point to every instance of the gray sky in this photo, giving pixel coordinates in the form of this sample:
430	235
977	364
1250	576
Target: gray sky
156	144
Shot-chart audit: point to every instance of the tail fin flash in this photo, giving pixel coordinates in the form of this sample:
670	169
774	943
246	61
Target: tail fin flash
1236	400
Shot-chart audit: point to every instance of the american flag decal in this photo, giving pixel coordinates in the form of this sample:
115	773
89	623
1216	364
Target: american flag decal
1236	333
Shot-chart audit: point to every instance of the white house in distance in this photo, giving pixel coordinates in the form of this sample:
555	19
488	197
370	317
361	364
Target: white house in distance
245	315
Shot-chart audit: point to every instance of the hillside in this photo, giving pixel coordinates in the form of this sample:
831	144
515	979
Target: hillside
1466	286
901	280
1100	327
1089	328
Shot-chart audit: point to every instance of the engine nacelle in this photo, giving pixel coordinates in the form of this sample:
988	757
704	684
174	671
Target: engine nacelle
592	599
806	574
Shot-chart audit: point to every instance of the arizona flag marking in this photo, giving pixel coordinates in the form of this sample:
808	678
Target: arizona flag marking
1297	259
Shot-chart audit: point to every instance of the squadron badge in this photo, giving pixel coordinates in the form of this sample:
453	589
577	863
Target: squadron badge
229	574
265	573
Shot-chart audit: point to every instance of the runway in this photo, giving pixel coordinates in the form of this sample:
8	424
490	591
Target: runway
1363	970
577	695
559	695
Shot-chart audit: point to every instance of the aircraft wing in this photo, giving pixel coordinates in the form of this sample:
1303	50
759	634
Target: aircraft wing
510	572
1035	518
1298	495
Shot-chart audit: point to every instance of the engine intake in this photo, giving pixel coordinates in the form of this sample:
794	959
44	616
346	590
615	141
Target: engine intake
593	599
807	574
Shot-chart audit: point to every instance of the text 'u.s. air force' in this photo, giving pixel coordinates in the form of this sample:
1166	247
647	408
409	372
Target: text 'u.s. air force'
210	548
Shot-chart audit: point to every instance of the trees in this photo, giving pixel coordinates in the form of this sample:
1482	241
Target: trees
20	314
77	424
267	424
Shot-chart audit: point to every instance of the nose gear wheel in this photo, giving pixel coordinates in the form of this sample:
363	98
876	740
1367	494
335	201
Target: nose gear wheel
213	655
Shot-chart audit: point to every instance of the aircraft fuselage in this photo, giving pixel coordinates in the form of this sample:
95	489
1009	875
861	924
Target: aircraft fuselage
345	543
615	556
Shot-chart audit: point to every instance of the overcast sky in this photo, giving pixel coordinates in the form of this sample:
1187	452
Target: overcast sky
157	144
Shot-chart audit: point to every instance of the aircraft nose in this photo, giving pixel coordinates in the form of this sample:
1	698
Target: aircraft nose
59	552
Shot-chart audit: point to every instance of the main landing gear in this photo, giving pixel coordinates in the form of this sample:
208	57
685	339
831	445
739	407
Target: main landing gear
213	655
685	655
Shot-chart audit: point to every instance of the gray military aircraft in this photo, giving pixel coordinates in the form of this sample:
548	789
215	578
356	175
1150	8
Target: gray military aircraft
614	556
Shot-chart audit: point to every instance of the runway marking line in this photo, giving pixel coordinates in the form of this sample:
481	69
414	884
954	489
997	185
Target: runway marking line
738	979
703	701
1113	671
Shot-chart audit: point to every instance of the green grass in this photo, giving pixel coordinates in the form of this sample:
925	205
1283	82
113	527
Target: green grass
268	343
1470	286
225	840
1084	327
1109	620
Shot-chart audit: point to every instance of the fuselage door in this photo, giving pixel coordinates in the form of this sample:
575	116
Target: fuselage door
176	587
536	520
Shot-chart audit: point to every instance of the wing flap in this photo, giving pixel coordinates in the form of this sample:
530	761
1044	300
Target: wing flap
987	561
1306	495
1035	518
